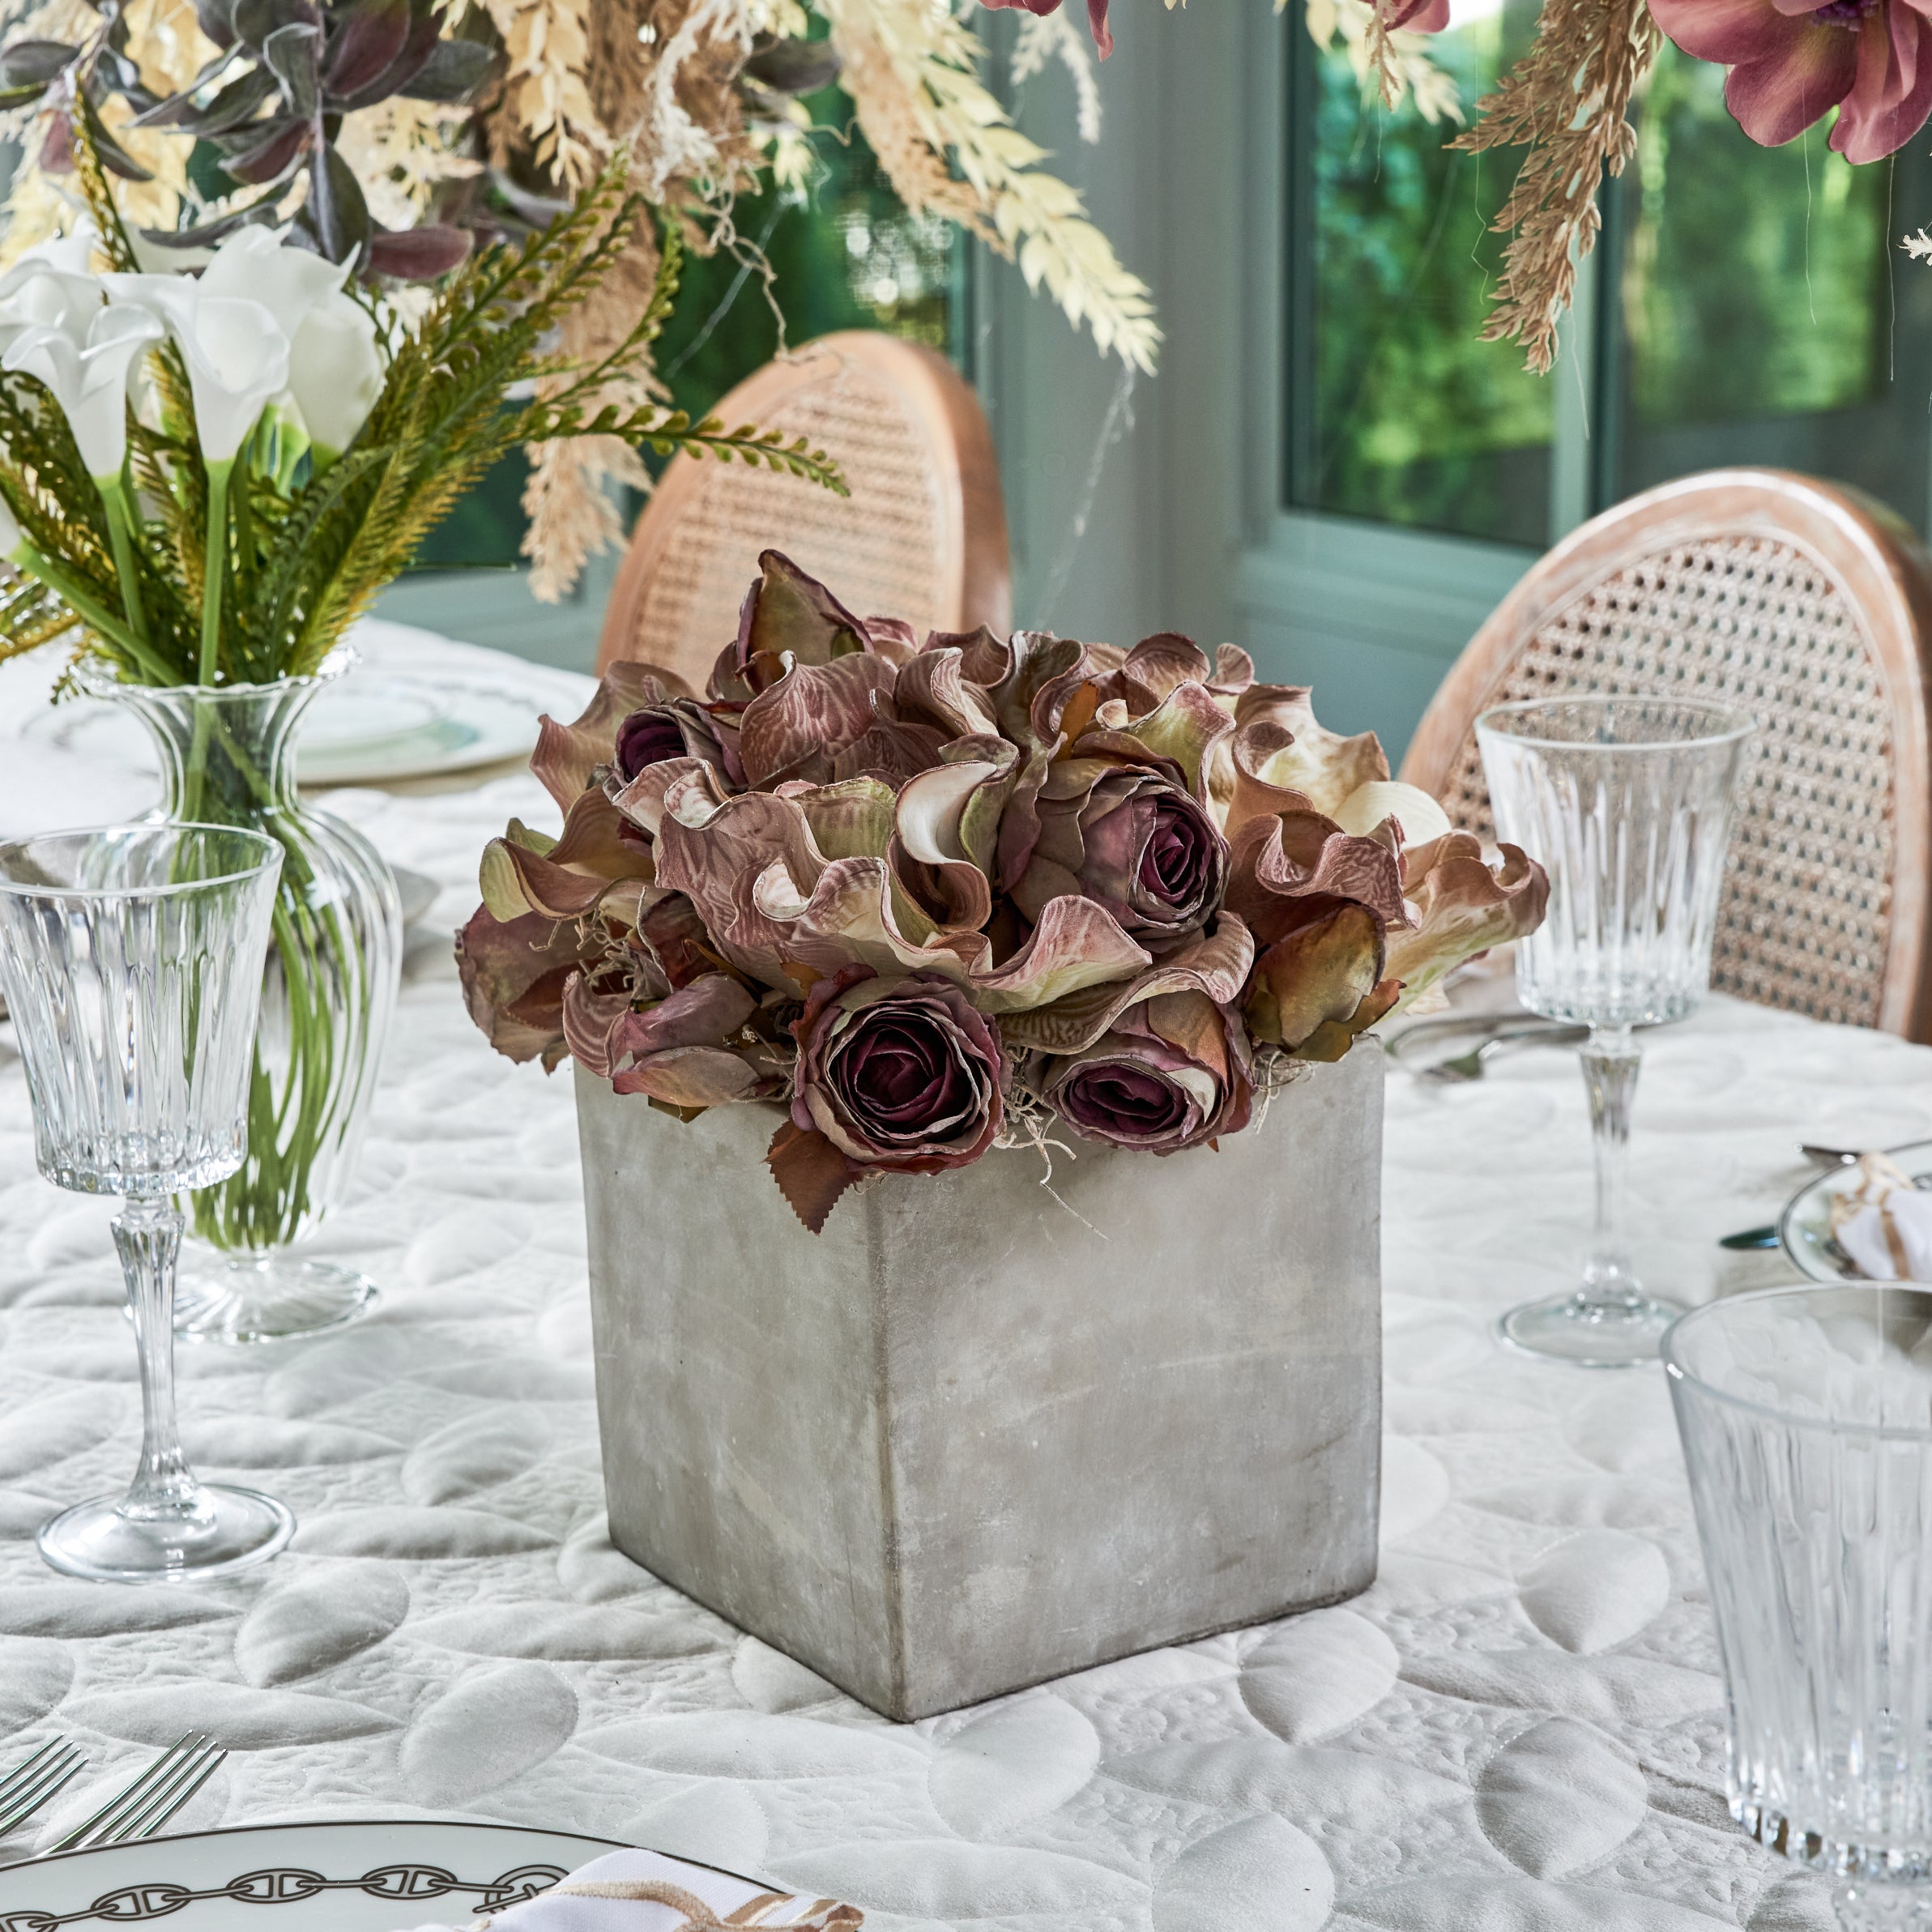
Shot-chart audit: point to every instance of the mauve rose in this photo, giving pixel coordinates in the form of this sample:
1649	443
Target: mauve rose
1171	1072
902	1074
1132	840
680	728
646	737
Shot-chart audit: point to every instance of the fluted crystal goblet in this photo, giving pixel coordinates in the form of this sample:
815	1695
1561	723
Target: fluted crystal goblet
1627	801
131	959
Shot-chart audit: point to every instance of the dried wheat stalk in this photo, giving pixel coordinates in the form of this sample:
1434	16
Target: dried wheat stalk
1567	101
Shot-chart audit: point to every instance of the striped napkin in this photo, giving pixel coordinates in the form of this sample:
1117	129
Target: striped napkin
645	1891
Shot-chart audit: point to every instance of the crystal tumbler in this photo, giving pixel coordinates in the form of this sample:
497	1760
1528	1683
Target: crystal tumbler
1628	803
131	959
1806	1419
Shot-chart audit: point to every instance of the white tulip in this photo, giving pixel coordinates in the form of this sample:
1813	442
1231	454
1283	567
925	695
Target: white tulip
87	371
1420	817
335	374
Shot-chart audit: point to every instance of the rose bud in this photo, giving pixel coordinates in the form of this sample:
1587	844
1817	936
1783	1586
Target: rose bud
1172	1072
901	1074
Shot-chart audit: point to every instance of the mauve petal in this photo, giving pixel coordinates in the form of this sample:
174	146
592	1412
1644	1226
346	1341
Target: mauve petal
1097	21
1730	31
1775	98
1893	94
1420	16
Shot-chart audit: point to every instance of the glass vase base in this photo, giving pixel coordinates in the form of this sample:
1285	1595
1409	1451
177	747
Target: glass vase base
1864	1905
226	1530
1619	1334
267	1297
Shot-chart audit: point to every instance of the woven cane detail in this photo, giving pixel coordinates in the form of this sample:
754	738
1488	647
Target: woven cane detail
1805	919
879	550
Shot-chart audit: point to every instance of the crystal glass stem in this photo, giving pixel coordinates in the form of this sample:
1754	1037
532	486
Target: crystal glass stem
148	1235
1610	1061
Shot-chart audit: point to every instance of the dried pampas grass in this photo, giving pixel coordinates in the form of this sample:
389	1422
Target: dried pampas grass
911	69
1567	101
1392	66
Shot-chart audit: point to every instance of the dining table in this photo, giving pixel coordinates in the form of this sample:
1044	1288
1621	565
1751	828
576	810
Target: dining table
1518	1728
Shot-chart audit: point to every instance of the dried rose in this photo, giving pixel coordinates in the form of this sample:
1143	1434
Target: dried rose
679	728
898	1073
567	754
1172	1072
1132	839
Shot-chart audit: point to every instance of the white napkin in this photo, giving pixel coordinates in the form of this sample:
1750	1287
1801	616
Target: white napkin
645	1891
1885	1223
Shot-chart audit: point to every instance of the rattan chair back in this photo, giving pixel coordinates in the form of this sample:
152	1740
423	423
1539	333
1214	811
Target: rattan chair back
1808	605
923	536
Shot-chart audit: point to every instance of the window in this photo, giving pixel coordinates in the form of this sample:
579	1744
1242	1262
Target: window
1744	304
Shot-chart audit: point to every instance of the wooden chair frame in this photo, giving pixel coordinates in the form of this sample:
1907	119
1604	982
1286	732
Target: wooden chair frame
973	567
1872	558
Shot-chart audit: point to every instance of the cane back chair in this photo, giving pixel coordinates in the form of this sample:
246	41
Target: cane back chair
1806	604
923	536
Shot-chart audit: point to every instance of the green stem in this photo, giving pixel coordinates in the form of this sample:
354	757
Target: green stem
119	515
84	606
214	570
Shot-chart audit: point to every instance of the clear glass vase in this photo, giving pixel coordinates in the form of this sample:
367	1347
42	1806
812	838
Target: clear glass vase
335	959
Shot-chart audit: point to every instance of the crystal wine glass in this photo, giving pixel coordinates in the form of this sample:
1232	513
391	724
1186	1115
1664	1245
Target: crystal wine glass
1628	803
131	959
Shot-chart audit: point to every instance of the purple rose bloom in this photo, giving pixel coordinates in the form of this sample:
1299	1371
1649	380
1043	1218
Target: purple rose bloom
1136	841
1171	1072
902	1074
647	737
680	727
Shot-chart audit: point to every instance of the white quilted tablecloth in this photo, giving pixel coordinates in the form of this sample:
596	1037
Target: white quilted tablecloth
1517	1729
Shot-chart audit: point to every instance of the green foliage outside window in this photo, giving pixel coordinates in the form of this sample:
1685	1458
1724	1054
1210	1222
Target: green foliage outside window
1415	419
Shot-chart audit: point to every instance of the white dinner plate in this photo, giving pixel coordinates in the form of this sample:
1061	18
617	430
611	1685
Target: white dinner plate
1805	1227
415	708
386	1877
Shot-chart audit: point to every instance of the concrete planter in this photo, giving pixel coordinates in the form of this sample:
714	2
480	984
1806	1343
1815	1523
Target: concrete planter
962	1440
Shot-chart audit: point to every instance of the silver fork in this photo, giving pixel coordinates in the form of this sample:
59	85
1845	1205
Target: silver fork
33	1783
1469	1066
146	1805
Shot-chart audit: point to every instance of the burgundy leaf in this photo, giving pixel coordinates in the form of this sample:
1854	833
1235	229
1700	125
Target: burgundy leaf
369	35
811	1172
418	255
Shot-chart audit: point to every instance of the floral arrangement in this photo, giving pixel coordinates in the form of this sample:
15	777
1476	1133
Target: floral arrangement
401	128
931	897
216	472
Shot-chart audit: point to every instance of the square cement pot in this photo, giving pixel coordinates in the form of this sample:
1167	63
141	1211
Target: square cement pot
973	1436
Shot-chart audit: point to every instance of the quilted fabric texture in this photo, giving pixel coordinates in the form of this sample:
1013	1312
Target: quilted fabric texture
1517	1729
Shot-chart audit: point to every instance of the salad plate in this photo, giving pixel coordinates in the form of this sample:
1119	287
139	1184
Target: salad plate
390	1875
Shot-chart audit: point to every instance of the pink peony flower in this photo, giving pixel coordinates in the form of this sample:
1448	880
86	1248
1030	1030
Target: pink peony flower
1791	61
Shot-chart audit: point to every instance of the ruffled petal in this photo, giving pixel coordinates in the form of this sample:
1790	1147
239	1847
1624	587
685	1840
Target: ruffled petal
1893	94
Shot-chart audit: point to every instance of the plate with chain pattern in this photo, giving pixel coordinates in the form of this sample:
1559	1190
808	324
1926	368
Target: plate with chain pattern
340	1876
